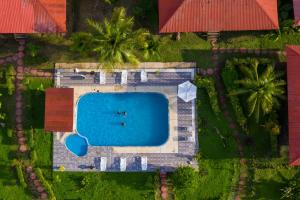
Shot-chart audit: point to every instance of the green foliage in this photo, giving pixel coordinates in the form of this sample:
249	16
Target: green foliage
82	43
32	49
261	84
185	178
33	55
114	40
229	76
208	84
20	175
10	78
45	183
9	133
33	156
110	1
30	138
291	191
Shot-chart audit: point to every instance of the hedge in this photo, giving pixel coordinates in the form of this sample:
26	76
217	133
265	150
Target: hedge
45	183
10	78
33	156
208	83
21	175
229	75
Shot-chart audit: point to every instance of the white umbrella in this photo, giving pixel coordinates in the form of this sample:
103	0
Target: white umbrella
187	91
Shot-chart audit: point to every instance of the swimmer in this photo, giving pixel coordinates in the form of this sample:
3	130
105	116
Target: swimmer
122	124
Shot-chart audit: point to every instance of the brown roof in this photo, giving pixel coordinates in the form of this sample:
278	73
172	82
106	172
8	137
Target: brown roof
59	109
293	74
297	12
31	16
217	15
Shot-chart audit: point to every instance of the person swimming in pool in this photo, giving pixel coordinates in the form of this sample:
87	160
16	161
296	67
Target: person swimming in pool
124	113
123	124
118	113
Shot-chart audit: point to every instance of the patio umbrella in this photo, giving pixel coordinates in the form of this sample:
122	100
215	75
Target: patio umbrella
187	91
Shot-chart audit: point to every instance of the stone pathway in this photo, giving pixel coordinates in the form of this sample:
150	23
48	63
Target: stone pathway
232	124
17	60
39	73
163	187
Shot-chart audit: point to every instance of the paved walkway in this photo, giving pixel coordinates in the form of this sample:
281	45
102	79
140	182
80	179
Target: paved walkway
229	116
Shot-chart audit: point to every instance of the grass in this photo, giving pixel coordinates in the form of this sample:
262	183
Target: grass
9	183
257	39
218	164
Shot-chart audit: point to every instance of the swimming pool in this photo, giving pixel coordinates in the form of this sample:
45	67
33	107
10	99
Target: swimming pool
123	119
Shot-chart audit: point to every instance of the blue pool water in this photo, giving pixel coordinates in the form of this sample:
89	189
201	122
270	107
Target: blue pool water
145	122
76	144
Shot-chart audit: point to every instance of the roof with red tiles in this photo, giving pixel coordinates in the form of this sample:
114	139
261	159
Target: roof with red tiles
59	109
33	16
293	74
217	15
297	11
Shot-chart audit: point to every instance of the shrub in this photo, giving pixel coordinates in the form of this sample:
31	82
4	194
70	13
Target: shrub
10	78
20	175
291	190
33	156
9	133
284	151
185	177
208	84
45	183
33	55
30	138
229	76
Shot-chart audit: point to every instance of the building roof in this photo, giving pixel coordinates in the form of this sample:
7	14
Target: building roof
217	15
59	109
32	16
297	11
293	74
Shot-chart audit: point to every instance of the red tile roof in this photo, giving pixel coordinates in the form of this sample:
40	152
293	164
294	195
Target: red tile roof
59	109
32	16
297	12
293	74
217	15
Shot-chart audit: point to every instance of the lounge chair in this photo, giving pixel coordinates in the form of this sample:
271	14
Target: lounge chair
122	164
144	77
102	78
103	162
124	77
144	163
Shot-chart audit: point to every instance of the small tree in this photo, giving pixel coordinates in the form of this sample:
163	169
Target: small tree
292	189
114	41
185	177
263	89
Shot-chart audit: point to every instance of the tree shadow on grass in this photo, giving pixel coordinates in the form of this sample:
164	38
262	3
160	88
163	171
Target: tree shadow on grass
35	109
203	58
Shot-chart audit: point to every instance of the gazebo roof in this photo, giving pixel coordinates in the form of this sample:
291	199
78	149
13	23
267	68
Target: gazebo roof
217	15
32	16
59	109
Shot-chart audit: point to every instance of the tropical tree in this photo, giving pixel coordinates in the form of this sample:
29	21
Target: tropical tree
114	40
263	89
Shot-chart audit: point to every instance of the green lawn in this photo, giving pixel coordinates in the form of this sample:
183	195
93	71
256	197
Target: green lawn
257	39
10	188
219	166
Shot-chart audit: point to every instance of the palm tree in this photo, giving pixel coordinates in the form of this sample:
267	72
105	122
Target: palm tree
114	40
263	90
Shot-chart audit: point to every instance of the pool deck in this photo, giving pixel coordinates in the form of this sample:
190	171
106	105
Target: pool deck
181	146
